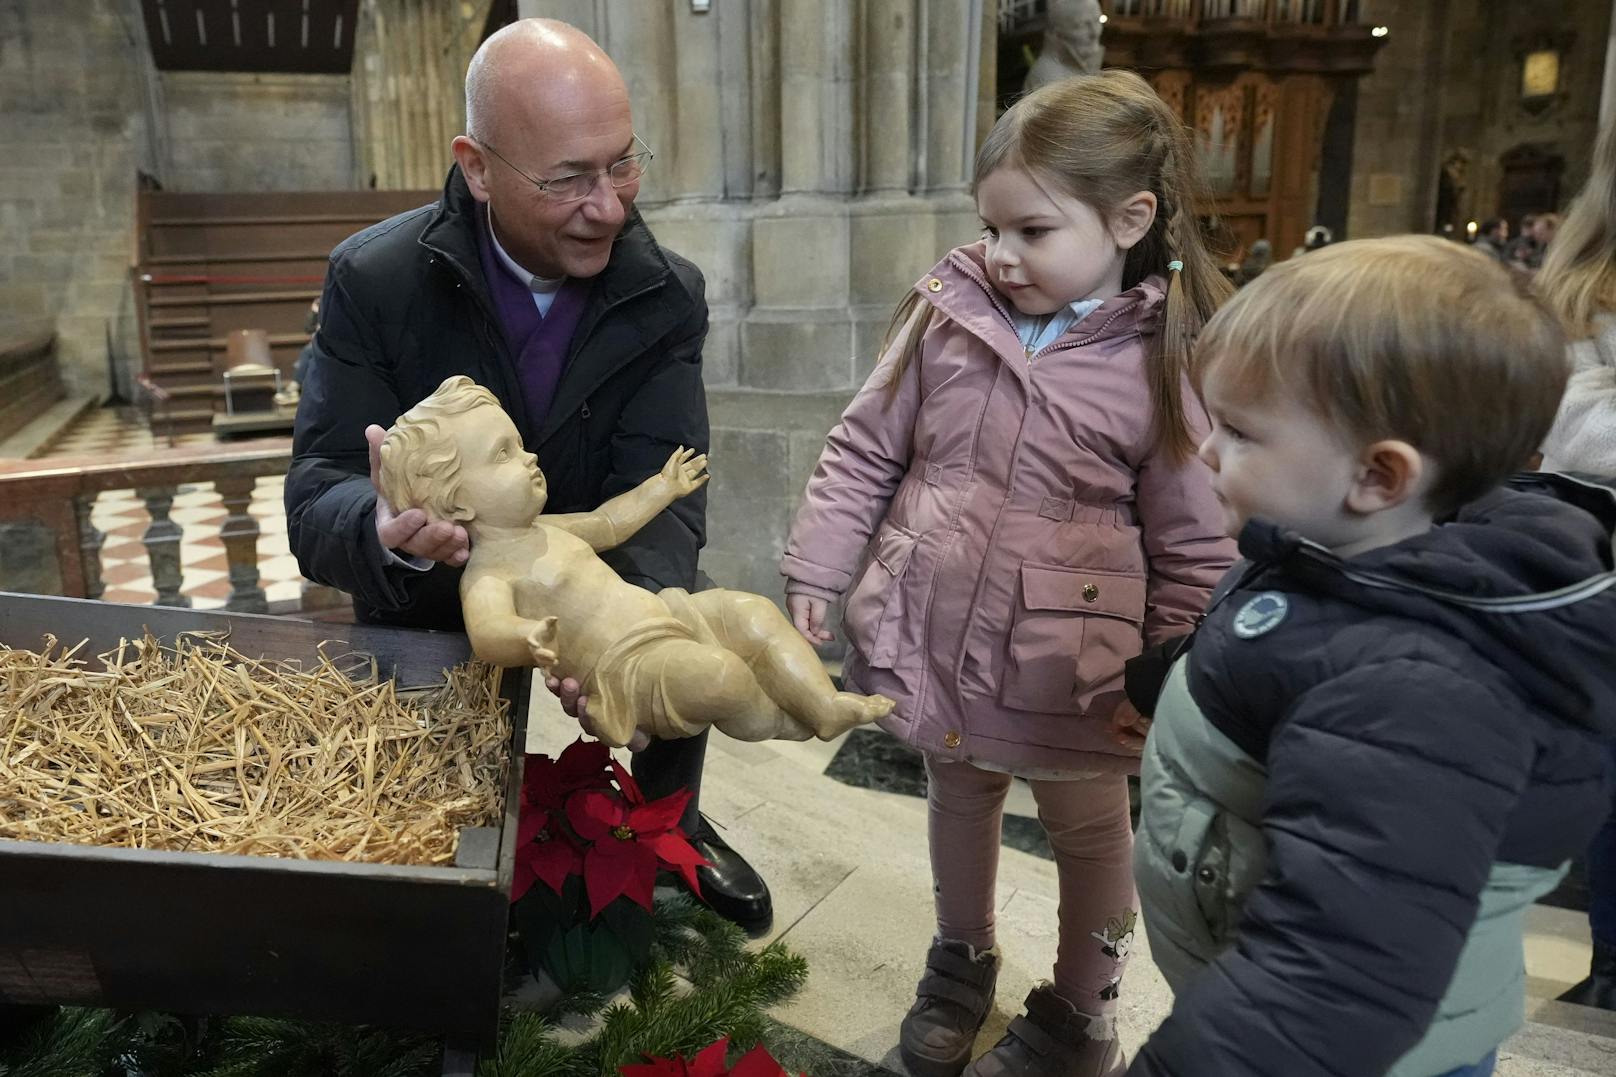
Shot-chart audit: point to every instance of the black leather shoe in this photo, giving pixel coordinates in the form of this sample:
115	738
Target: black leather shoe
730	886
1599	989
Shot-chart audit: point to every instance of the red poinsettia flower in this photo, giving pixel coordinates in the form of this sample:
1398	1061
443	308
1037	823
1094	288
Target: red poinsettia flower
710	1063
547	782
627	842
544	853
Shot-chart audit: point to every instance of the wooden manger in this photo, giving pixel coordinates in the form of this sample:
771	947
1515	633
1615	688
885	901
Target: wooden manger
287	918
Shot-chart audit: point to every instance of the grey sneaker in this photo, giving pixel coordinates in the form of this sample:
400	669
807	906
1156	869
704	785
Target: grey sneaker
1053	1039
951	1003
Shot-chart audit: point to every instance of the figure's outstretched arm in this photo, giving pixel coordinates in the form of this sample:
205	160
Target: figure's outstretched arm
501	636
616	521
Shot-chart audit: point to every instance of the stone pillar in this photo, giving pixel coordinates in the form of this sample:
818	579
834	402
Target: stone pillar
886	129
950	64
816	97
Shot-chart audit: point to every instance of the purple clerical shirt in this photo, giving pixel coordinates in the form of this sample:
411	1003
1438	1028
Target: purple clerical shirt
539	342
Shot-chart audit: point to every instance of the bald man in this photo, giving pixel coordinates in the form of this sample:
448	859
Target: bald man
534	275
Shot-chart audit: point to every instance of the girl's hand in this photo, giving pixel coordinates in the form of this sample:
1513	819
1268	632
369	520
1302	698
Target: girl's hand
808	615
1129	727
685	472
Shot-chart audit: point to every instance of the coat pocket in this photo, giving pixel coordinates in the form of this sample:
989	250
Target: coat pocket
1073	630
1218	858
872	614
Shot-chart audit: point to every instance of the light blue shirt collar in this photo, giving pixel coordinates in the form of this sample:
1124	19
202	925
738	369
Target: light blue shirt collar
1037	332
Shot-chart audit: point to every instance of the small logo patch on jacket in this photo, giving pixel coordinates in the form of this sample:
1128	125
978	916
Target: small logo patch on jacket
1261	614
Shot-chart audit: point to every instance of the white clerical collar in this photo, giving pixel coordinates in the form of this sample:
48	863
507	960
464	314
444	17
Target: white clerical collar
533	282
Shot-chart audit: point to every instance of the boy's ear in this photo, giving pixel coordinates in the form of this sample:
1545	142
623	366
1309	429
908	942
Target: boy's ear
1390	472
1132	220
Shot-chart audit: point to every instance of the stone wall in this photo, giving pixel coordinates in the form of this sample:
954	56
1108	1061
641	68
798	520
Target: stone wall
74	79
241	132
1484	116
1446	91
1398	115
84	111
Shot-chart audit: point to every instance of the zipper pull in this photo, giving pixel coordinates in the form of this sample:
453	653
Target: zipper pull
583	412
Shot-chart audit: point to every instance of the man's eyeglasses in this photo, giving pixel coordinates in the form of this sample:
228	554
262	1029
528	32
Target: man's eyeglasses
578	185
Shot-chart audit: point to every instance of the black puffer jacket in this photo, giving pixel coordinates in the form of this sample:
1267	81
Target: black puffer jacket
1384	733
406	306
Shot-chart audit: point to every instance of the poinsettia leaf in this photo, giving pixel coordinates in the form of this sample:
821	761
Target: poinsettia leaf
642	883
530	823
594	815
659	816
710	1061
626	784
538	782
522	879
677	853
607	872
554	861
583	765
758	1063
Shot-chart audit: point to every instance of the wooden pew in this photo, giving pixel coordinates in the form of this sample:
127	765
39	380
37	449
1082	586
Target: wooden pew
29	379
207	264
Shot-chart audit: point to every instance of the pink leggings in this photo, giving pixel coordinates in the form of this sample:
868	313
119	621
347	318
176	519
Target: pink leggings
1088	828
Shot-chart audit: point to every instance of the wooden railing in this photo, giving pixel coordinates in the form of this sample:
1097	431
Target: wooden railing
59	494
1273	12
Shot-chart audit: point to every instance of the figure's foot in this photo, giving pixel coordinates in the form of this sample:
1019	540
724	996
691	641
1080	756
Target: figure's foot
730	886
851	710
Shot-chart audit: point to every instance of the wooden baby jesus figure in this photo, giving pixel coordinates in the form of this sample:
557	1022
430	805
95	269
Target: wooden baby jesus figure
535	591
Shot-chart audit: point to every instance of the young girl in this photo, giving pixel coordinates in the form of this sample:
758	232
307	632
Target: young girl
1012	507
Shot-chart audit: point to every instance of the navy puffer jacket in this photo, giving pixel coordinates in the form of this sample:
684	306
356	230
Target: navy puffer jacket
1362	768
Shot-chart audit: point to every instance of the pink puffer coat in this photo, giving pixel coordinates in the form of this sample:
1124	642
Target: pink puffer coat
1004	533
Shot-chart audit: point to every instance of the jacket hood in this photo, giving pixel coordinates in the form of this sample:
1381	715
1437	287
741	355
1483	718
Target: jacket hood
1523	575
963	293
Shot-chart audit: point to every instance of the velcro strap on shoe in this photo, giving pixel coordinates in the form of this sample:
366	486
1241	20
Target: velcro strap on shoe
1054	1019
958	967
1035	1038
973	999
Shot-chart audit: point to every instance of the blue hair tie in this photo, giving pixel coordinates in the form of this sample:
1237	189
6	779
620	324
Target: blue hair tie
1175	266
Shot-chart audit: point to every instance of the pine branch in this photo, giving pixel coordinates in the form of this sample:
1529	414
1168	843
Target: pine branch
731	987
527	1048
72	1042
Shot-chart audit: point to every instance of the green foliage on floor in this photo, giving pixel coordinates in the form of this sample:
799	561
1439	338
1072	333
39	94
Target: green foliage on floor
703	984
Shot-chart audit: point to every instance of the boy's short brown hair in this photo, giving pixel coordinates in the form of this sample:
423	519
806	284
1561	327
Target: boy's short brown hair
1411	337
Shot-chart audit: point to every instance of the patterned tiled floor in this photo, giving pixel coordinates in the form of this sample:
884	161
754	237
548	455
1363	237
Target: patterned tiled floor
123	518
